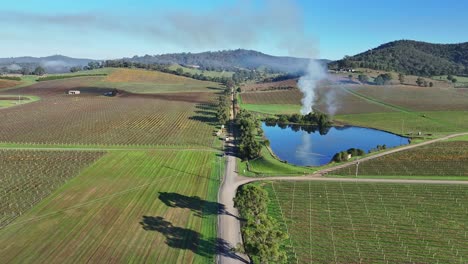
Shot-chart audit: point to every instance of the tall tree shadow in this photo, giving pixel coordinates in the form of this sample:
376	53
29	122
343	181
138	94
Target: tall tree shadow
197	205
187	239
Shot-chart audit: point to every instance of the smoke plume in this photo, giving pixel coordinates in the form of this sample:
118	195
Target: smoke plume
308	85
14	67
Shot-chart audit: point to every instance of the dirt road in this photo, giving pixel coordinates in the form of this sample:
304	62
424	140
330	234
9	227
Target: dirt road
229	225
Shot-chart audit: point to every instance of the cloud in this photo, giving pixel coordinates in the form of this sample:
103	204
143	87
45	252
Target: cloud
244	24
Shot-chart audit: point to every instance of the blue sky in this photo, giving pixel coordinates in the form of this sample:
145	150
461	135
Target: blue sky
319	28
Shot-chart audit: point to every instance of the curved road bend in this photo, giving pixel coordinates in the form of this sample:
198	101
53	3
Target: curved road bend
229	225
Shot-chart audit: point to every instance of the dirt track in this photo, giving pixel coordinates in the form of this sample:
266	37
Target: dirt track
229	225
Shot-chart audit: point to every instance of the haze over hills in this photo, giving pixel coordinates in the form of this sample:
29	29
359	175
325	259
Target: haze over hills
228	60
212	60
412	57
52	64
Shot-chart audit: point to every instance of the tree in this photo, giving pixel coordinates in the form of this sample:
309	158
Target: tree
401	78
431	84
454	80
420	81
39	71
383	79
363	78
350	77
75	69
179	71
25	71
449	77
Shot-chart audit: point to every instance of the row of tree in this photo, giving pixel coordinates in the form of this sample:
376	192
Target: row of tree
344	155
313	118
249	128
261	233
223	107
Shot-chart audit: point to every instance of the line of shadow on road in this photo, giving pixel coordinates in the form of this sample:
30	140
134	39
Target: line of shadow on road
187	239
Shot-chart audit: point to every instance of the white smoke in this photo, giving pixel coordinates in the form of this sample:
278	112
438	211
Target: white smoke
331	101
308	83
14	67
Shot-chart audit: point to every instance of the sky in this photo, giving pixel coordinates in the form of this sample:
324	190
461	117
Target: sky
329	29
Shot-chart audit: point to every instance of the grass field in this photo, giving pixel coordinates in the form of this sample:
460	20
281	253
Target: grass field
441	159
410	123
139	206
14	100
330	222
93	119
332	100
462	81
28	176
418	98
143	81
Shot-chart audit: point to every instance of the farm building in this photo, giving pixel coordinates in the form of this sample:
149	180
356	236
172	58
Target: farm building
73	92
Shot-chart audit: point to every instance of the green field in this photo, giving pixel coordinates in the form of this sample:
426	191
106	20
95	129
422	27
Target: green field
410	123
14	100
330	222
268	165
441	160
138	206
462	81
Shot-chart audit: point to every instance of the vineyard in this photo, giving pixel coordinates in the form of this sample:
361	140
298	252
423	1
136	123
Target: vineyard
93	119
143	81
129	206
330	222
438	159
27	177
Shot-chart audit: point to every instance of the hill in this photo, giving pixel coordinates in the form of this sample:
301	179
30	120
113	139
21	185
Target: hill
52	64
227	60
412	57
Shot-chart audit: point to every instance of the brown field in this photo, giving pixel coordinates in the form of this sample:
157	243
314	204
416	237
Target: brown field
286	84
8	83
91	118
418	98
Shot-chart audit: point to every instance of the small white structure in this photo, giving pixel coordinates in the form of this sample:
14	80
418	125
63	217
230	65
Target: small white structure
222	126
73	92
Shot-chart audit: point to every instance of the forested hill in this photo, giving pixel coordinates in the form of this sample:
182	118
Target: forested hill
227	60
412	57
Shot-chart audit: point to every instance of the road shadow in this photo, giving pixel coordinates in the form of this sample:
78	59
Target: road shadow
197	205
187	239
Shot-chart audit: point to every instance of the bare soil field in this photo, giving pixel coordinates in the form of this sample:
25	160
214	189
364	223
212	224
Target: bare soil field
8	83
268	86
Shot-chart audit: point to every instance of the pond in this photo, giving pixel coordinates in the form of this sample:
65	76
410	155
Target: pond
309	146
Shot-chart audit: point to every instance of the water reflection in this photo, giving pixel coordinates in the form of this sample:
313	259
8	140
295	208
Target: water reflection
314	146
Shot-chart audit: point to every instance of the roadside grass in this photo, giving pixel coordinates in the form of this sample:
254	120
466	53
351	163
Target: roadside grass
333	222
268	165
129	206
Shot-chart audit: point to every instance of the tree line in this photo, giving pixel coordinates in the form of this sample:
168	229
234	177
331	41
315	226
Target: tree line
249	128
261	233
